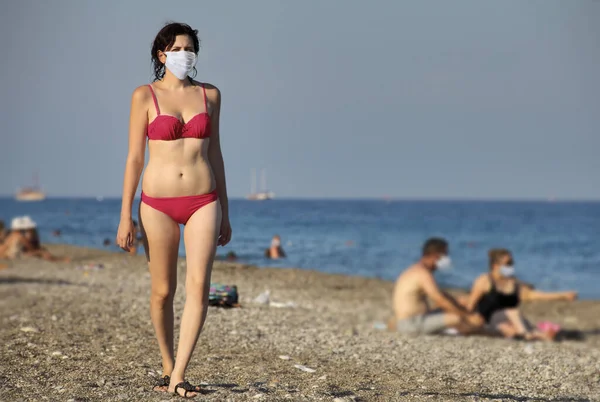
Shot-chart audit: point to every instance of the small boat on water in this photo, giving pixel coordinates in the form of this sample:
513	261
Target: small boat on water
30	194
33	193
263	194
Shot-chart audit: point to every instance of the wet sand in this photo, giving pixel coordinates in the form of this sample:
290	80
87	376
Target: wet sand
70	334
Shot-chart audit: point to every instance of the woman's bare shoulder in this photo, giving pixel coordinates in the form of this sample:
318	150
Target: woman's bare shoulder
212	92
141	93
482	280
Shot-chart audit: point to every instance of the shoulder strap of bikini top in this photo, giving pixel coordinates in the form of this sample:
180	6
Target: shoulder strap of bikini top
205	103
154	98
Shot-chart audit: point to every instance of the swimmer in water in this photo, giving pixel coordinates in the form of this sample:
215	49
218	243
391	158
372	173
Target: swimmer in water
275	251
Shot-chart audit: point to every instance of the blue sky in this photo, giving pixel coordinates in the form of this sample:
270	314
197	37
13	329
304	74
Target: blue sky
337	98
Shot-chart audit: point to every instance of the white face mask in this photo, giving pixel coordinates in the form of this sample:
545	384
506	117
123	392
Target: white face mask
275	243
444	263
180	63
507	271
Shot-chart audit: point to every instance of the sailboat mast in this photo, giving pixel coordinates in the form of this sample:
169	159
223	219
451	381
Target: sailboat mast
253	182
263	180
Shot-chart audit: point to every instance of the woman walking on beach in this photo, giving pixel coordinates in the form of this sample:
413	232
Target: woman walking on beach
184	183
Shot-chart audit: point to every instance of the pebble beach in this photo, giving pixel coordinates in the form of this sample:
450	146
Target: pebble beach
81	331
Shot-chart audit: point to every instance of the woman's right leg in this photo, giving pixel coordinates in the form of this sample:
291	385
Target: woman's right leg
451	320
501	323
506	329
161	238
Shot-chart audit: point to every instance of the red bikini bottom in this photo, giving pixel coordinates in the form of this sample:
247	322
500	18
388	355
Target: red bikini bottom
180	209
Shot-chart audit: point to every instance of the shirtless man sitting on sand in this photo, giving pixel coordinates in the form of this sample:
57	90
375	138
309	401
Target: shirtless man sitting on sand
414	286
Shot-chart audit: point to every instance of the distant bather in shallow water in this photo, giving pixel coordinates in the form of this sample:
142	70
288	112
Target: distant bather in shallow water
275	251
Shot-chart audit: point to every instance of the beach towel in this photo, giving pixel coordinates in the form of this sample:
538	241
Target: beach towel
223	295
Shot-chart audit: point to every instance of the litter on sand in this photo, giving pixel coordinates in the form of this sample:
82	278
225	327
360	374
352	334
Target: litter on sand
304	368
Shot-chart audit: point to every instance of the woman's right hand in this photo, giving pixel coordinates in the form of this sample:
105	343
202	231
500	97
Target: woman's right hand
476	320
125	234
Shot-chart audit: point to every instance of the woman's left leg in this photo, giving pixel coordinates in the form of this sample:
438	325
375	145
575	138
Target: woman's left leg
516	319
200	237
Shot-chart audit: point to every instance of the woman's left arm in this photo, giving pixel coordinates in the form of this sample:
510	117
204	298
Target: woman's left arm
215	157
528	294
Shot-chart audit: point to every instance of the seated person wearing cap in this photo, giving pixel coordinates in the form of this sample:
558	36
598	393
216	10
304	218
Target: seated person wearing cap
24	240
2	231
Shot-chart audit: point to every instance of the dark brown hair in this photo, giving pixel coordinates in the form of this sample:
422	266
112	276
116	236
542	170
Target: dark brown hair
34	239
165	39
435	245
496	254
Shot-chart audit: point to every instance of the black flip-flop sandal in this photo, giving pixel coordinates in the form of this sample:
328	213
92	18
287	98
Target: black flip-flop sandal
162	382
187	387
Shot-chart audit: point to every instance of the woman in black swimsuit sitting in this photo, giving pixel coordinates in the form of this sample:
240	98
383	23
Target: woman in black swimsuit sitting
498	294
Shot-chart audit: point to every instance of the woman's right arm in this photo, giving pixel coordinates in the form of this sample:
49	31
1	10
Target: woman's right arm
480	287
138	124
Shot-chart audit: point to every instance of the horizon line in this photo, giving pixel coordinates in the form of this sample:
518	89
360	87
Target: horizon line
336	198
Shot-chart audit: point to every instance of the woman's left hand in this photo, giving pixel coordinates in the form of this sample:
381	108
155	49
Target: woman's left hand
225	232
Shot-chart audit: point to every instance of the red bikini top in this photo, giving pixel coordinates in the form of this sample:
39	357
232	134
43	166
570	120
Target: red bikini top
169	128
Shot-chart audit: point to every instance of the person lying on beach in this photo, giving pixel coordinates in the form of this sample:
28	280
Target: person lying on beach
412	313
231	256
24	240
2	231
275	251
497	296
